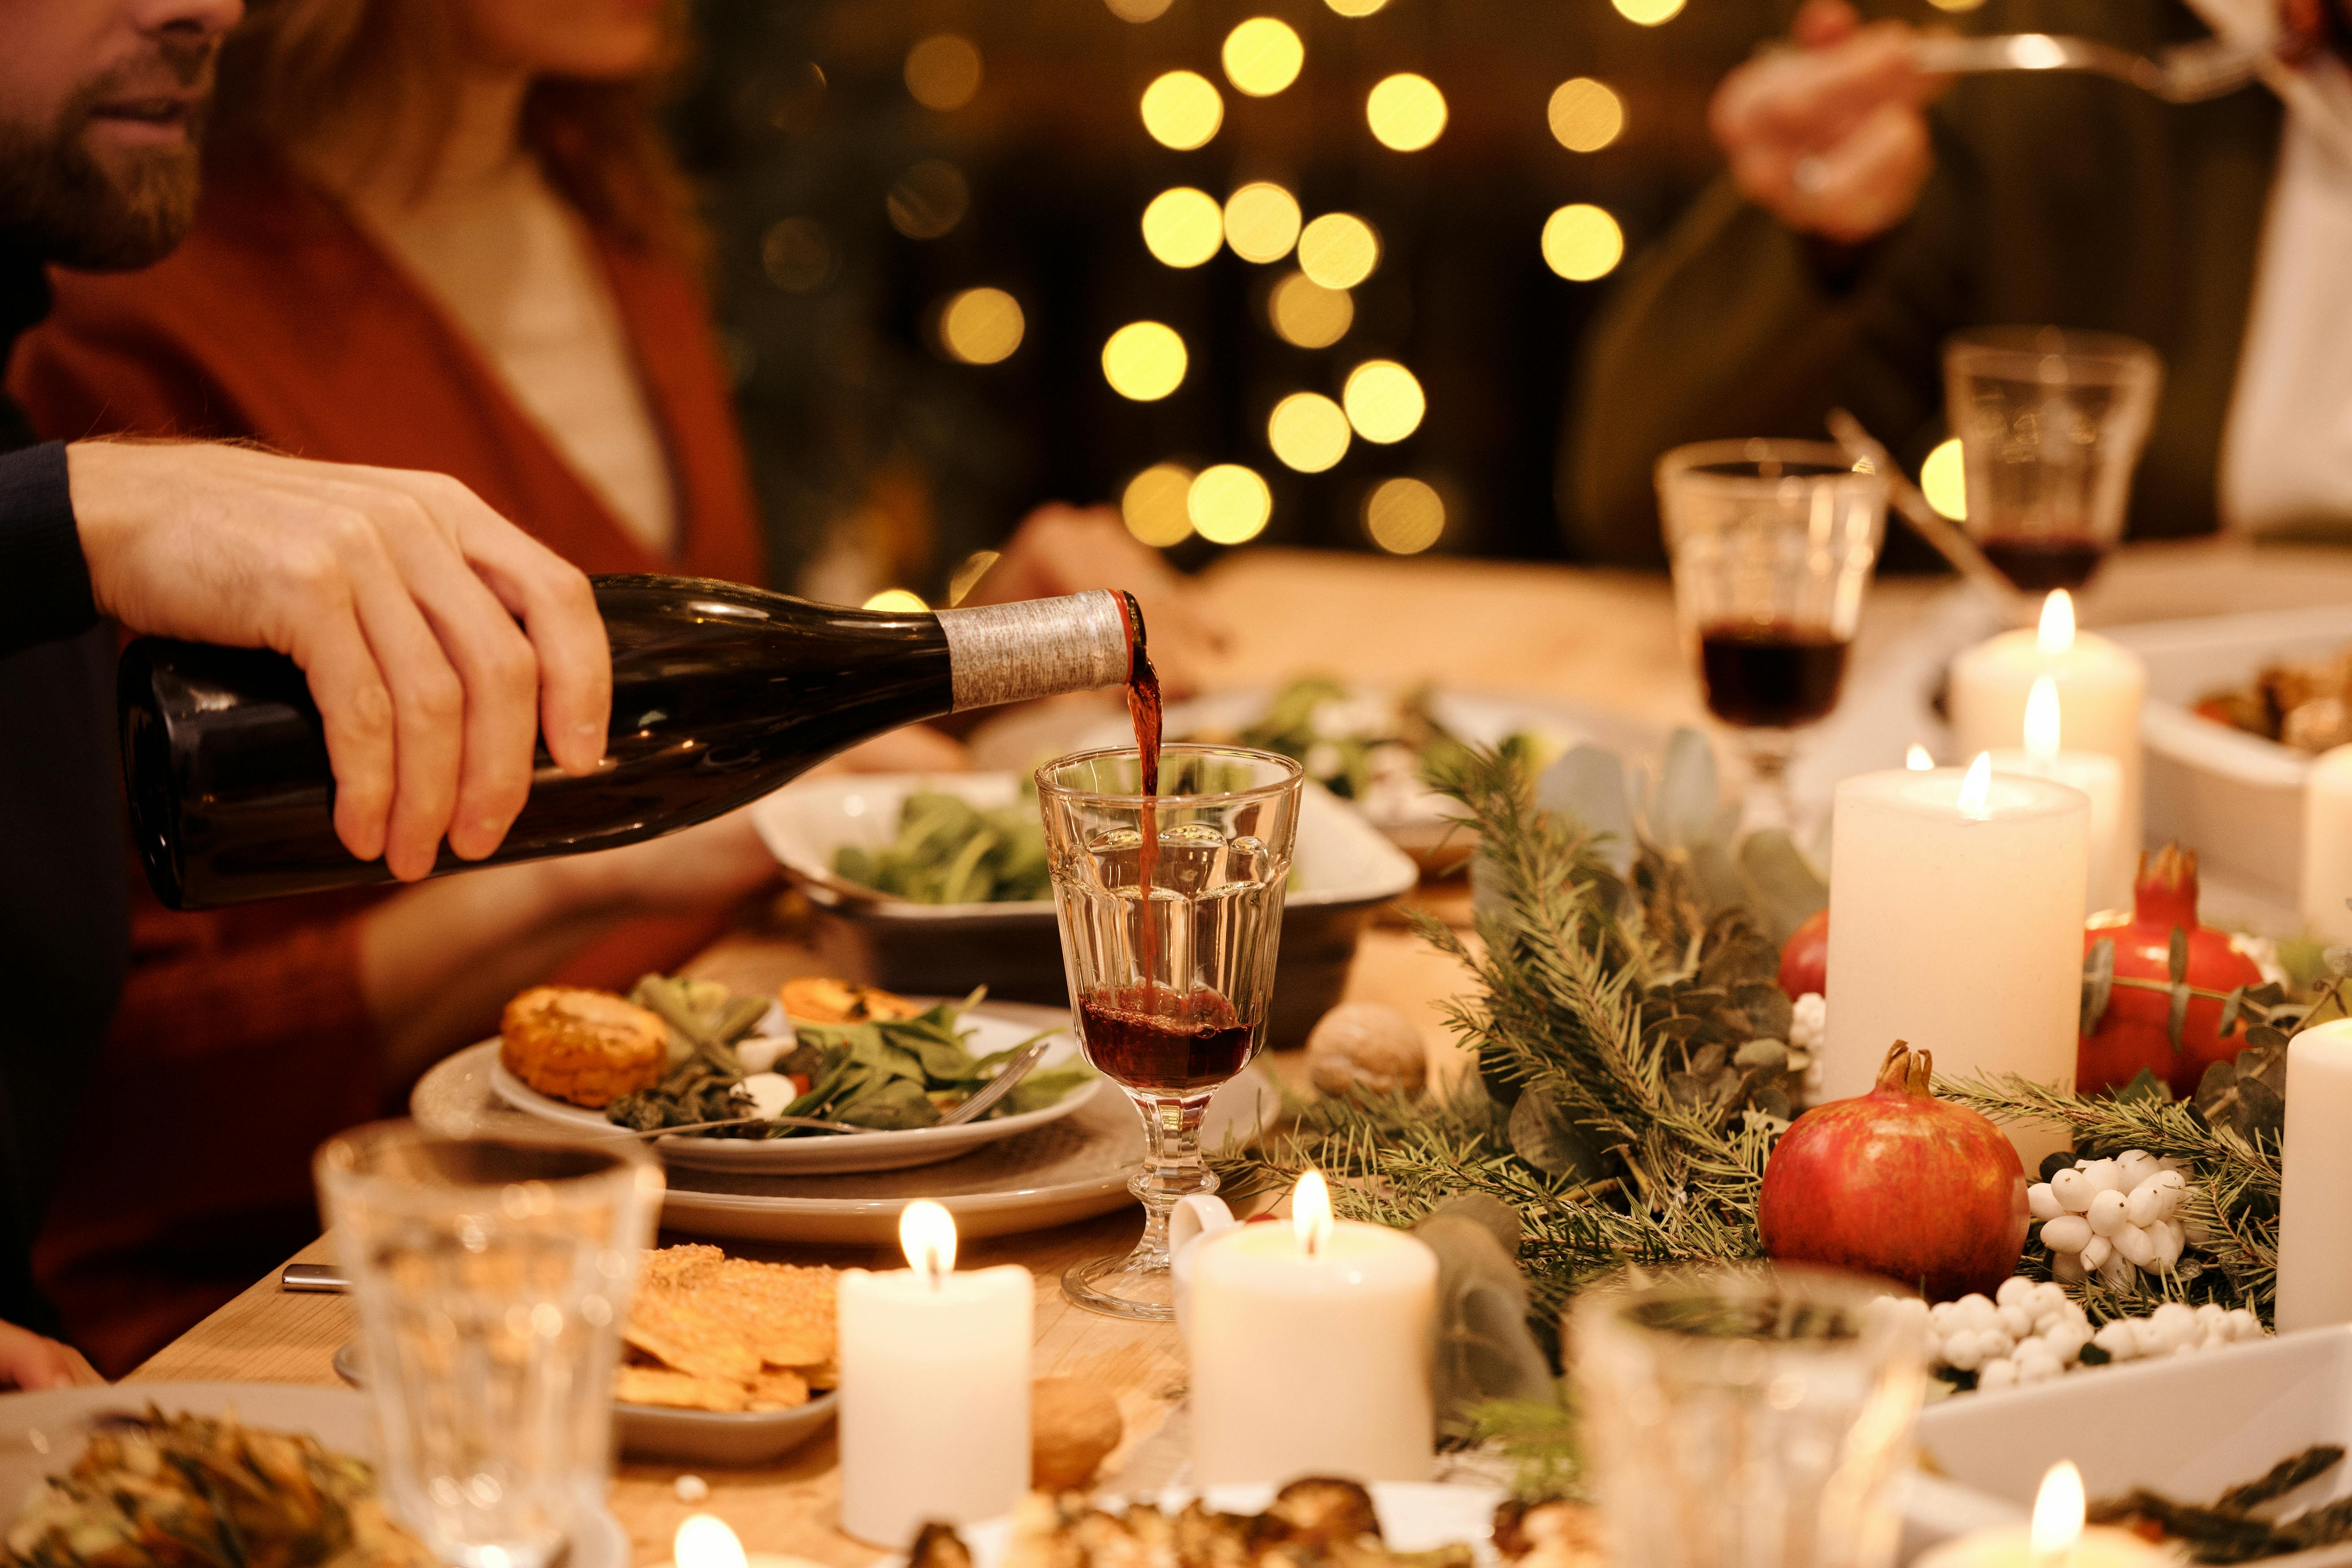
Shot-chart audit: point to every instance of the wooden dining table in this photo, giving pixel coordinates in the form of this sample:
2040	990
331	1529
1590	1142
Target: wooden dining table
1597	638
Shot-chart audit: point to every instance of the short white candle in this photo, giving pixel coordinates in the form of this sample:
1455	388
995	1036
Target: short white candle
2327	844
934	1387
2315	1246
2057	1538
1955	924
1310	1347
2097	775
2101	689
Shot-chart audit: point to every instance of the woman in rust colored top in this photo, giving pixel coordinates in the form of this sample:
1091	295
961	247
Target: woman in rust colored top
442	234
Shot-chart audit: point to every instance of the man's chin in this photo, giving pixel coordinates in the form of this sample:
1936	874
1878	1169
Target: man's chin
141	203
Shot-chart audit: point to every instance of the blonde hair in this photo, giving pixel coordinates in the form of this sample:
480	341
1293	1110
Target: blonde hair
295	66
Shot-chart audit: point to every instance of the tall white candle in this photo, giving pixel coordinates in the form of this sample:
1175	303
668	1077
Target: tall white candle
2097	775
2101	689
934	1387
2315	1246
1955	924
2327	844
1310	1350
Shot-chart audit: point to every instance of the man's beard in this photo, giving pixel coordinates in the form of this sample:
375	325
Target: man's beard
60	202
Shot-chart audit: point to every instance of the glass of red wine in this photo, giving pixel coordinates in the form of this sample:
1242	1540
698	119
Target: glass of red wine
1772	544
1171	908
2051	424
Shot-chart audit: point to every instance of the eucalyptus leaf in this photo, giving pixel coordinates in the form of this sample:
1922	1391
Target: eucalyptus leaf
1684	805
2177	1020
2144	1085
1588	785
1762	1054
1769	1011
2230	1007
1716	874
1788	890
2098	982
2338	960
1544	1139
2177	955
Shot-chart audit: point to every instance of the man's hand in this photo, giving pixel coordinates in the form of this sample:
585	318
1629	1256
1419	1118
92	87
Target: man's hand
1066	550
398	592
28	1360
1829	136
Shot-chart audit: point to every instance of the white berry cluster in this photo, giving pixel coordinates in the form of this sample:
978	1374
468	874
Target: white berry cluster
2028	1332
2178	1328
2111	1217
1808	1027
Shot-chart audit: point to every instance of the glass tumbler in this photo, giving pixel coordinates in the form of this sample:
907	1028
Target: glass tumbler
2051	424
1171	985
1750	1417
492	1278
1772	544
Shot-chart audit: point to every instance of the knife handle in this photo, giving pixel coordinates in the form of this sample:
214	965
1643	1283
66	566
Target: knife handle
320	1277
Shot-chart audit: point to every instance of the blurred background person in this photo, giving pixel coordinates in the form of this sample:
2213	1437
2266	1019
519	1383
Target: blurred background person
1858	225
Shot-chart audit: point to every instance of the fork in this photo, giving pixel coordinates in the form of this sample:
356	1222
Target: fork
2185	73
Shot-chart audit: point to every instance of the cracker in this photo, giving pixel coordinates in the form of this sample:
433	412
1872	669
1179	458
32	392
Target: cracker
670	1327
680	1390
778	1391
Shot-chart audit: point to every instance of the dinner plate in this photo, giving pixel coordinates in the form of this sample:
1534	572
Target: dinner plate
41	1435
830	1153
1068	1170
688	1437
1415	1516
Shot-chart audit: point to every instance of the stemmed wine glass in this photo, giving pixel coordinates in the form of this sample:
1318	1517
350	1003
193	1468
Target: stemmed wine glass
1171	985
1772	544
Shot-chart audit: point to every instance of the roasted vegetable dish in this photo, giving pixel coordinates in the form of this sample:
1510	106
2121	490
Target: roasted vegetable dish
2303	703
949	851
201	1491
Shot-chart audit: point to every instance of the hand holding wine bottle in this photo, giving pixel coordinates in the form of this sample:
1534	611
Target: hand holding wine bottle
398	594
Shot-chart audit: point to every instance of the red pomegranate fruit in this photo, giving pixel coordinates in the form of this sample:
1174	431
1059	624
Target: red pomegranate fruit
2135	1031
1899	1183
1805	957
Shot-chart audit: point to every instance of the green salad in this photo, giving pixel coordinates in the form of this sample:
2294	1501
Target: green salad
1368	747
949	851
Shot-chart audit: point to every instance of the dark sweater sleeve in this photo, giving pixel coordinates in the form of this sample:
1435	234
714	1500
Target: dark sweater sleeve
44	582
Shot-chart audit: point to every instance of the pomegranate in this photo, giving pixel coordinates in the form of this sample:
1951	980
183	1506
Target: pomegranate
1805	958
2134	1031
1899	1183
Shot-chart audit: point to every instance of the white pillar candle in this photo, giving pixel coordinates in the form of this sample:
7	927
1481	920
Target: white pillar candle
2057	1538
2327	844
934	1387
2315	1245
2097	775
2101	688
1310	1348
1955	924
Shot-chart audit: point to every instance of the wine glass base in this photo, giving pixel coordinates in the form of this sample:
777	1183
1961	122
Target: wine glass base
1117	1287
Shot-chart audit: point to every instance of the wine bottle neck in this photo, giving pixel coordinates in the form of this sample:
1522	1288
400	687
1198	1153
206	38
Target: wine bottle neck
1037	647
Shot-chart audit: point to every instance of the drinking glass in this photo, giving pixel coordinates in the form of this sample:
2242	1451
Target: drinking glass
1750	1417
2051	424
492	1277
1170	990
1772	544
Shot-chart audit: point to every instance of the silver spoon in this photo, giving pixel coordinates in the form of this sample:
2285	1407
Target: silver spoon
2185	73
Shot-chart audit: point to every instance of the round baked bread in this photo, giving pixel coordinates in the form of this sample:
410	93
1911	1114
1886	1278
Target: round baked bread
590	1048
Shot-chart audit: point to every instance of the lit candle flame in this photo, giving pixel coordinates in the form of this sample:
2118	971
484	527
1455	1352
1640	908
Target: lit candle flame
1918	759
1310	1213
928	1234
2057	1511
1976	789
2057	633
703	1541
2042	720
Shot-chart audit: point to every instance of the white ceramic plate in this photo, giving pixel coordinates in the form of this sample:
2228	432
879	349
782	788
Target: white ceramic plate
826	1154
42	1433
1415	1516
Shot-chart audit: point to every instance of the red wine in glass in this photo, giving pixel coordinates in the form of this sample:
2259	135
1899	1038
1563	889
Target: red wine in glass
2037	563
1160	1041
1143	710
1773	675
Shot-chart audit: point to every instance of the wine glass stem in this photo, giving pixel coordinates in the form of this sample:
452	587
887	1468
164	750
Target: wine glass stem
1768	803
1172	1170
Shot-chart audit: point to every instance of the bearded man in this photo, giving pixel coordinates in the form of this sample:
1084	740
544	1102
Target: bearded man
438	639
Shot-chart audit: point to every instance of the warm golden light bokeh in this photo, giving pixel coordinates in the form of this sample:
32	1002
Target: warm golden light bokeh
1229	504
1585	114
1581	242
1183	110
981	326
1354	7
1261	222
895	599
1404	515
1262	56
1944	481
1405	111
1182	226
1144	361
1384	401
1138	10
943	71
1338	251
1308	431
797	254
929	199
1649	12
1155	505
1308	316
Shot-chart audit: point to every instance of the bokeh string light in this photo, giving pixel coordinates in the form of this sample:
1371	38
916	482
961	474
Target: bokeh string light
1354	7
1383	400
1405	111
1138	10
1261	222
1156	505
1306	315
1582	242
1144	361
1585	114
1943	478
943	71
1309	432
1263	56
1649	12
1183	226
981	326
1183	110
1229	504
899	599
1404	515
1338	251
929	199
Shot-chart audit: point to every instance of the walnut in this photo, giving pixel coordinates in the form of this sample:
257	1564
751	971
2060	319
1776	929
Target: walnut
1366	1046
1073	1428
